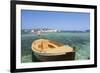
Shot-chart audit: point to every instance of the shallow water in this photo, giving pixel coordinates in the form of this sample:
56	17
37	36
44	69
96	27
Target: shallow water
79	40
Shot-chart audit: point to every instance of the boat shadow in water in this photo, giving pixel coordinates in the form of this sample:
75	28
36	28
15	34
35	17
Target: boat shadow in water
34	59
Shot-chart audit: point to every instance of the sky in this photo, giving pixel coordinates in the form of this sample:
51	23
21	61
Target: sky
31	19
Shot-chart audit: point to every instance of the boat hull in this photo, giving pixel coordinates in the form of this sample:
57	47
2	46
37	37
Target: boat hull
62	57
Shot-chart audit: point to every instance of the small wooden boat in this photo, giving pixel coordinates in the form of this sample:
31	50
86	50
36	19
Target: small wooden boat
47	50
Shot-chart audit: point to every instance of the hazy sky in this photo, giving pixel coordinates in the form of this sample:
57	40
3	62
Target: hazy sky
55	20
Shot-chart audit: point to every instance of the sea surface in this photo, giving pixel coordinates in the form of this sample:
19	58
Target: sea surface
79	40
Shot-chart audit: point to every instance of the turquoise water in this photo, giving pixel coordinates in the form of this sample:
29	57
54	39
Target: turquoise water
79	40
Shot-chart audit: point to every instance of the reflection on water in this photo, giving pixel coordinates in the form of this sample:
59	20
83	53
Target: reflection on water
79	40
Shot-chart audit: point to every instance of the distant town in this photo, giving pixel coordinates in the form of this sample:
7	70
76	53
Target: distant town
35	30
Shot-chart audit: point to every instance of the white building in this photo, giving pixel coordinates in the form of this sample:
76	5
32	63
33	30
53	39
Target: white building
41	30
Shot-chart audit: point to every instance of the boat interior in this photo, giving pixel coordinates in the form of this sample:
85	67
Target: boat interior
44	45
